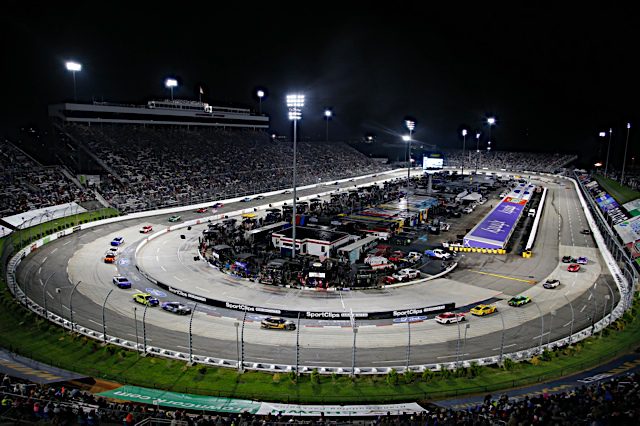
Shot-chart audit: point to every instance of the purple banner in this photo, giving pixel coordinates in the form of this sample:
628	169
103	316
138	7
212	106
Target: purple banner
497	226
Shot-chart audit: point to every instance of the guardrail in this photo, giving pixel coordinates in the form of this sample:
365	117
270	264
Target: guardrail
625	288
536	221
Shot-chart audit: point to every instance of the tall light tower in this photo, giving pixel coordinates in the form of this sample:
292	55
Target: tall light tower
464	143
606	164
410	125
492	122
295	103
74	67
327	116
477	149
260	94
624	161
170	83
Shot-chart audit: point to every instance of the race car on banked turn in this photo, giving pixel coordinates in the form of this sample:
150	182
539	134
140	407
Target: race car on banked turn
174	218
482	310
519	300
146	229
109	258
450	317
567	259
121	282
551	283
582	260
574	267
117	241
145	299
277	323
176	308
201	210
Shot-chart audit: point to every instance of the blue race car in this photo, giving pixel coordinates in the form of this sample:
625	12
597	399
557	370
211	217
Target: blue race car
117	241
121	282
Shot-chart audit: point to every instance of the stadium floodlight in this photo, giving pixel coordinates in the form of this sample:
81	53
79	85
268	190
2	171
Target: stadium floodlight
606	164
295	102
464	142
74	67
327	116
411	124
598	164
260	94
602	134
491	121
170	83
464	132
406	138
624	160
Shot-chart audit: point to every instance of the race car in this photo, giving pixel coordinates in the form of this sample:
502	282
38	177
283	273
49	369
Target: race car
519	300
567	259
201	210
146	229
112	250
406	274
176	308
174	218
260	197
121	282
145	299
245	200
450	318
586	232
551	283
277	323
582	260
389	279
117	241
438	254
574	267
482	310
217	205
110	258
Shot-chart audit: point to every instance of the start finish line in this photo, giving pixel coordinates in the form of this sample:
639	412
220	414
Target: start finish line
184	401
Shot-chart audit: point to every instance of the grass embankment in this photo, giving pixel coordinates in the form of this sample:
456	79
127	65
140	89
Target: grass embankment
22	237
622	194
29	335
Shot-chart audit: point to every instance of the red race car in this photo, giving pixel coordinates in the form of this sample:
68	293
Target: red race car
146	229
574	267
201	210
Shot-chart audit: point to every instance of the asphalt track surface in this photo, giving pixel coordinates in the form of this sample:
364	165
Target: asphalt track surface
325	343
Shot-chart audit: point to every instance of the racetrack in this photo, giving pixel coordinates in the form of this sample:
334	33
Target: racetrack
324	343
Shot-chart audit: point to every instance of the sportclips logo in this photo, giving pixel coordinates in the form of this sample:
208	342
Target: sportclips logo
188	295
418	311
334	315
241	307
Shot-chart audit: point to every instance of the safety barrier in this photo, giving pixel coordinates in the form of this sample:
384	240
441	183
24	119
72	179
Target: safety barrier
477	250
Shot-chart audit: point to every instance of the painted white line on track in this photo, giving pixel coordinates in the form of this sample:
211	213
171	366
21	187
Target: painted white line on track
39	270
389	361
50	295
583	308
203	289
157	259
569	323
129	334
96	322
45	259
264	359
66	243
163	268
158	250
54	250
41	283
179	279
449	356
504	347
181	347
540	335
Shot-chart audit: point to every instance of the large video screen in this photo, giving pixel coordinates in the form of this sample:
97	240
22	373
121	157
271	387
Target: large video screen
430	163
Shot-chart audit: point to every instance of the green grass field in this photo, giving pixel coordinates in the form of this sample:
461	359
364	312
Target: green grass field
622	194
32	336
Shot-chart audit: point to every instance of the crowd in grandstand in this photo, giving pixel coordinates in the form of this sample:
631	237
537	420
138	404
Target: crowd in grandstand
158	167
497	160
612	402
27	185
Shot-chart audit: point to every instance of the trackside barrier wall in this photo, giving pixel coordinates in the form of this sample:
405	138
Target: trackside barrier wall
621	282
536	222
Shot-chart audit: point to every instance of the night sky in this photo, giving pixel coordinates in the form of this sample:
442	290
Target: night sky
553	77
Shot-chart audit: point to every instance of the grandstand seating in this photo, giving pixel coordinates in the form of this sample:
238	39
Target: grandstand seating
517	161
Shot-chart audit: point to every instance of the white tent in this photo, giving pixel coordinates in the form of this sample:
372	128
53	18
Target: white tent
474	196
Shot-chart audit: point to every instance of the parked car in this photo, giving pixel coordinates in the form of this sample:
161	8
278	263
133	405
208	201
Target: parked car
467	210
438	254
406	274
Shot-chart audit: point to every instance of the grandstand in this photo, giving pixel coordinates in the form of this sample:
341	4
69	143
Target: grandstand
506	160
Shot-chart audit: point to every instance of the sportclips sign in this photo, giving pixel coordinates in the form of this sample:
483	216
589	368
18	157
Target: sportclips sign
427	310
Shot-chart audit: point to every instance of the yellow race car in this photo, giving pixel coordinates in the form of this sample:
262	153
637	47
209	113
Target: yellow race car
277	323
482	310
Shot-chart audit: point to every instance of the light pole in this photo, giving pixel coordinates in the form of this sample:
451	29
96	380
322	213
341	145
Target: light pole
458	343
624	161
144	330
408	341
44	294
502	338
541	326
572	318
104	324
193	311
604	311
74	67
327	116
477	150
260	94
464	142
135	320
170	83
464	342
492	122
553	314
298	346
71	305
295	103
244	320
606	164
410	125
236	325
